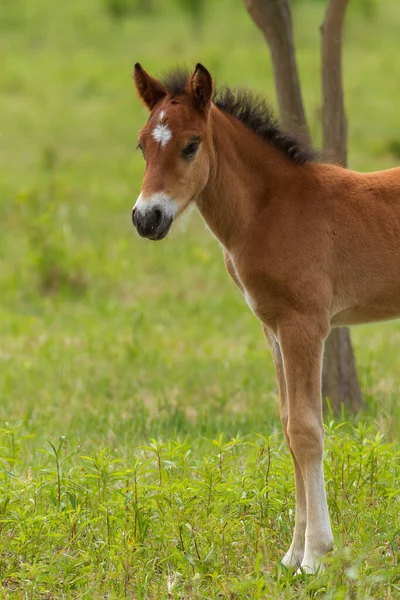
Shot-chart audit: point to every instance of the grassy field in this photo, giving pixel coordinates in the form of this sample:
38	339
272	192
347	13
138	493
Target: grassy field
140	453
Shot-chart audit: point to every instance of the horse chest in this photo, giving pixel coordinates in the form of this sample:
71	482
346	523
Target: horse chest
250	301
248	294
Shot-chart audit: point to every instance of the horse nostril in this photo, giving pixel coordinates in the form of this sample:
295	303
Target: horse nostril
133	216
158	216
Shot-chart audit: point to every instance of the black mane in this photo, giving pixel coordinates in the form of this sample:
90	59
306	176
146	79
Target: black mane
251	110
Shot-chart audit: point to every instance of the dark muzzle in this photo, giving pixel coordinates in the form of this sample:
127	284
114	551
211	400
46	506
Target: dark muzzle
153	223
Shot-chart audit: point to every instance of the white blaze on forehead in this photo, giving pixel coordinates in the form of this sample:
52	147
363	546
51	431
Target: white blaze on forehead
159	200
161	132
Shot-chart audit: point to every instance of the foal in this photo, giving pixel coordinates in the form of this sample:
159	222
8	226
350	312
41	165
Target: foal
309	245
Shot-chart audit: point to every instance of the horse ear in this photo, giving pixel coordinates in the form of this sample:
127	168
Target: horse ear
149	90
202	87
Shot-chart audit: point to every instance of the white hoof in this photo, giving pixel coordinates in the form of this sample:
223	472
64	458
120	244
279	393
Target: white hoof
311	564
293	558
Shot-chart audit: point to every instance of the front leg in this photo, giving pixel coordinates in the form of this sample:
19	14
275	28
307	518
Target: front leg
294	556
301	340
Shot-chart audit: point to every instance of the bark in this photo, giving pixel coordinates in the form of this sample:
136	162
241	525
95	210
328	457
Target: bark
334	114
273	18
339	376
339	379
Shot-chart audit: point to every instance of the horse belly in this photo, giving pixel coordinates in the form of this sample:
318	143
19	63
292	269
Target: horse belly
382	307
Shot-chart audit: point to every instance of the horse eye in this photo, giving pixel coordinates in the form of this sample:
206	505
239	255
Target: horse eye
140	147
190	150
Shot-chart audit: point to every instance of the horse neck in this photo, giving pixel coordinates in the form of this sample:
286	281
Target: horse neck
246	172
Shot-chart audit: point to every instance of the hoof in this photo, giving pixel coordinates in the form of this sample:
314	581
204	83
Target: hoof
292	559
311	565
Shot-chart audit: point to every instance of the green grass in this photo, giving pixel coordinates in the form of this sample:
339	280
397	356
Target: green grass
141	454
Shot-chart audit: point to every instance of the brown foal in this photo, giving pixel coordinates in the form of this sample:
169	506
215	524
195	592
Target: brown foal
310	246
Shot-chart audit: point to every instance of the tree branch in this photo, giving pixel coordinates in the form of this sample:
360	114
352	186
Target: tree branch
334	116
273	18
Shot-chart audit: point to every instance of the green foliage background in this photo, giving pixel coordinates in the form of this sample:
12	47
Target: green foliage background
141	453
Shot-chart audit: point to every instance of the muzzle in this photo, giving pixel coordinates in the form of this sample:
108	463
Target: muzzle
153	224
153	216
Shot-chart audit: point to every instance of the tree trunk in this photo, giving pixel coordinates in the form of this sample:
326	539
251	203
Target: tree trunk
273	17
339	376
339	380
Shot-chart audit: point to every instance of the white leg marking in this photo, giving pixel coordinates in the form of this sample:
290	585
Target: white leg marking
294	556
161	200
318	530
